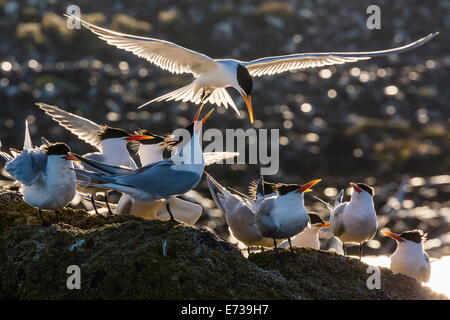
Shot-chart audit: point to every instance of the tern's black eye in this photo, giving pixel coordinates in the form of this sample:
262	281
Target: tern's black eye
314	218
58	148
244	79
111	133
416	236
367	188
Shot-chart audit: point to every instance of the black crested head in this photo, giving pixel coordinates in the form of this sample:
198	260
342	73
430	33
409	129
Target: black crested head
416	236
367	188
255	188
157	138
57	149
283	189
108	132
244	79
314	218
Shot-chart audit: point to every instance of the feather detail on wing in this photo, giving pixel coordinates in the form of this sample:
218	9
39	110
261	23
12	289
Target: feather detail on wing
193	93
27	144
85	129
293	62
164	54
28	166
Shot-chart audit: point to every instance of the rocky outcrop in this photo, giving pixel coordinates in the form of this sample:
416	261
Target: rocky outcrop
124	257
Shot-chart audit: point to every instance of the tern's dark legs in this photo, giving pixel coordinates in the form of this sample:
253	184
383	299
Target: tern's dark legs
41	215
248	251
93	204
361	245
290	244
110	213
343	248
170	212
262	249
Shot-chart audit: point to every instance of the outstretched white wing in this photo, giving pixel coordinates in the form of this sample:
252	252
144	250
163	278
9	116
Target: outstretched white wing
292	62
83	128
166	55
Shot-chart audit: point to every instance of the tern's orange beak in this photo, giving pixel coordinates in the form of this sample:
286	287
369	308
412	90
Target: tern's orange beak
325	224
201	124
199	111
248	102
393	236
138	137
71	157
305	187
355	187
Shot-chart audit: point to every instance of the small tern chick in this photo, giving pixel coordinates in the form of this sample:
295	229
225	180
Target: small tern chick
409	258
283	214
309	238
355	221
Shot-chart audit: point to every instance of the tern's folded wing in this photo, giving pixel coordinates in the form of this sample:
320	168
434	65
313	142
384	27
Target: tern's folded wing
28	166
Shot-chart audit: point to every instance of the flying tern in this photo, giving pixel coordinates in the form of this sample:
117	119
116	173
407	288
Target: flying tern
283	214
213	76
409	258
160	180
45	175
355	221
111	144
309	238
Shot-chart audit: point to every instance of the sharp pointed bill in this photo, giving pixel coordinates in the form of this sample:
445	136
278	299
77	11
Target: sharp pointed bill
410	258
283	214
355	221
213	76
44	173
309	238
168	177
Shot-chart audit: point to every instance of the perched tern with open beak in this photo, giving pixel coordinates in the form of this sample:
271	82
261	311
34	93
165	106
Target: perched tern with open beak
355	221
151	151
283	214
239	212
409	258
45	174
110	142
309	238
213	76
160	180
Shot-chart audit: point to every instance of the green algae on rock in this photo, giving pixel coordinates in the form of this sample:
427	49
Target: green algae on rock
125	257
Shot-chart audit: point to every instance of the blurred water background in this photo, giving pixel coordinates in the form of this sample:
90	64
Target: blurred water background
383	121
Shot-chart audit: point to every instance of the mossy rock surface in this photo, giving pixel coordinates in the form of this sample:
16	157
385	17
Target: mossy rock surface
125	257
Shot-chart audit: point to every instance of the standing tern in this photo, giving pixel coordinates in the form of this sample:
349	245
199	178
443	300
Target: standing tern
160	180
110	142
239	213
151	151
283	214
213	76
45	175
309	238
409	258
355	221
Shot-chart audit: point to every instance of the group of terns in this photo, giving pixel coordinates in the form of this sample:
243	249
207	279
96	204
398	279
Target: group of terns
271	215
